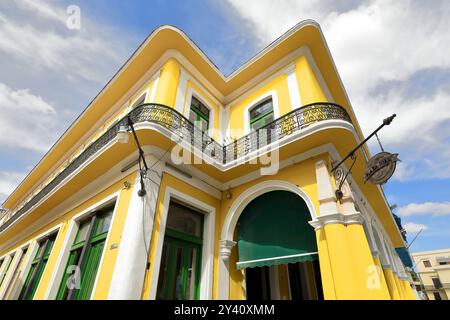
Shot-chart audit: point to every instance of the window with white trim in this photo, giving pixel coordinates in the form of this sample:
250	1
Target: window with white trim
37	267
85	256
199	114
261	114
6	268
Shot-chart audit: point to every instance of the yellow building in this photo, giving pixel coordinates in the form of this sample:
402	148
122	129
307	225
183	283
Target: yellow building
434	270
240	199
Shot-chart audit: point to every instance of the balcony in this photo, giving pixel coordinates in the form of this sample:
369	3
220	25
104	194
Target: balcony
176	127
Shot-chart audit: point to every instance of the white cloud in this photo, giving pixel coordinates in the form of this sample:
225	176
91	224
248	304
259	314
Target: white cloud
379	46
45	43
26	121
426	208
8	182
412	228
38	52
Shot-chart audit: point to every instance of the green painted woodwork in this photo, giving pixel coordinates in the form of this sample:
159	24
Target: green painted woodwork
179	275
89	269
273	229
199	114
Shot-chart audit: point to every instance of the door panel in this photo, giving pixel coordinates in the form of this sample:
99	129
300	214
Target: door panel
178	271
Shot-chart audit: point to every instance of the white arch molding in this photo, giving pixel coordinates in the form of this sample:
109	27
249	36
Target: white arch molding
226	243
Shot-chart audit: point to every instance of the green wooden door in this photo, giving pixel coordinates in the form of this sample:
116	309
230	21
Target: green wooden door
179	270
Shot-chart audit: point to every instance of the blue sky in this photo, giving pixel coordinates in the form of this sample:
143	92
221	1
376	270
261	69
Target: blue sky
388	62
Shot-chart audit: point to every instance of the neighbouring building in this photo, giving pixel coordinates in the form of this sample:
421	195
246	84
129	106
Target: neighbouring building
240	198
434	271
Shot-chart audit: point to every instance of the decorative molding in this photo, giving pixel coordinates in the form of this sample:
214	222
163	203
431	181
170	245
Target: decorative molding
225	247
336	218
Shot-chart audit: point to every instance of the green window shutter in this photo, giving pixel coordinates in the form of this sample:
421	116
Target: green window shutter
273	229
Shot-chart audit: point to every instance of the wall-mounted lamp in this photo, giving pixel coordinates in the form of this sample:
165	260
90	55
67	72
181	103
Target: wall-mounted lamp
122	137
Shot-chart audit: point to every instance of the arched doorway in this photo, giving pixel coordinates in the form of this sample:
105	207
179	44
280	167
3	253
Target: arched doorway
277	248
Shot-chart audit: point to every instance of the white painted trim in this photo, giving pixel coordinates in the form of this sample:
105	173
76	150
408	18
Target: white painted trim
276	108
32	249
60	266
275	258
253	192
181	91
6	258
207	89
154	88
105	248
224	123
293	87
11	270
196	182
206	275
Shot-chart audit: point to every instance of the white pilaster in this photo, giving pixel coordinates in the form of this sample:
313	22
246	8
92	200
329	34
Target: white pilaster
347	201
181	91
225	247
131	264
294	93
325	192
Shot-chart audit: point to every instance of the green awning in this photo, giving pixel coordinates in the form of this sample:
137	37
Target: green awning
273	229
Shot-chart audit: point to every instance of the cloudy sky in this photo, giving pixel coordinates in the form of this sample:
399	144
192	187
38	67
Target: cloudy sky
393	57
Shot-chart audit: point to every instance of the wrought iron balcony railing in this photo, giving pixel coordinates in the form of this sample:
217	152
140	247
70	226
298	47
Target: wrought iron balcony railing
181	129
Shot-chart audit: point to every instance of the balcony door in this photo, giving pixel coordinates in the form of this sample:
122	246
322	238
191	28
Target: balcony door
179	275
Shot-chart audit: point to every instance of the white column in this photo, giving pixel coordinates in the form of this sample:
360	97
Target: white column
131	264
225	247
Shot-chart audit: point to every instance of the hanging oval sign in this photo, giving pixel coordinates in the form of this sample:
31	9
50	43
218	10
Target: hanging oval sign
381	167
